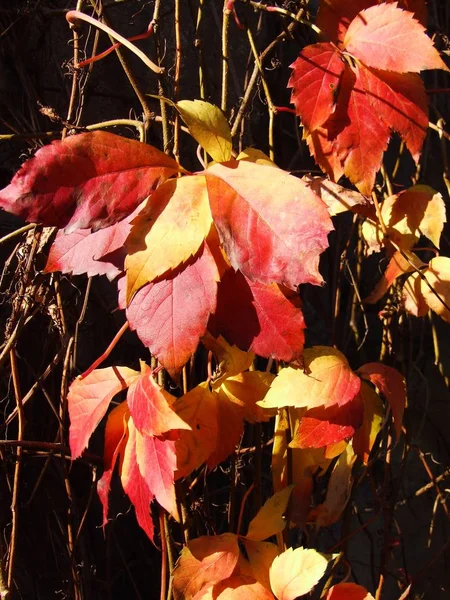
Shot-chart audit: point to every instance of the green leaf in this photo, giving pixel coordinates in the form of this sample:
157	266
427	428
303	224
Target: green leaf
208	126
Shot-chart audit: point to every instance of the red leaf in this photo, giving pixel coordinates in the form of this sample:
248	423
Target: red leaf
392	385
135	485
98	253
348	591
115	436
388	38
87	180
401	102
88	400
269	236
171	315
314	81
266	319
358	135
150	406
323	426
335	15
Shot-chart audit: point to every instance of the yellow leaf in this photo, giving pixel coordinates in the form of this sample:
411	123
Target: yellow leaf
438	276
256	156
208	126
365	436
169	230
246	389
232	361
270	518
326	380
261	556
412	297
295	572
337	198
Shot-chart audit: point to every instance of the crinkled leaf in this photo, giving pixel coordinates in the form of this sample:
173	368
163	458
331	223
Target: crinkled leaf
326	380
88	400
269	236
168	232
151	406
87	180
387	37
204	562
199	409
391	384
232	361
170	315
208	126
337	198
315	81
295	572
270	518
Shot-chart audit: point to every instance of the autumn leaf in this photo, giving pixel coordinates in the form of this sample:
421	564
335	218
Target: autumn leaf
230	420
135	486
266	319
412	297
88	180
315	80
151	406
204	562
171	315
392	385
255	155
245	390
199	409
397	266
231	360
326	380
208	126
157	462
436	293
338	491
115	438
365	436
337	198
322	426
386	37
168	231
261	556
270	518
295	572
88	400
348	591
270	237
237	587
335	16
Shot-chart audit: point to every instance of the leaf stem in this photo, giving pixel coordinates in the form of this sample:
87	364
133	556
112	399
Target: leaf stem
107	352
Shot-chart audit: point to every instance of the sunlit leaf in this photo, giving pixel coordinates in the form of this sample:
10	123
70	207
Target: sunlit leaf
295	572
270	518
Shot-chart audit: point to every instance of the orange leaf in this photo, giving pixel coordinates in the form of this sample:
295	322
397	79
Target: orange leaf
295	572
88	400
232	361
199	409
238	587
392	385
397	266
168	232
326	380
386	37
270	518
230	418
151	406
348	591
261	556
245	390
412	297
204	562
